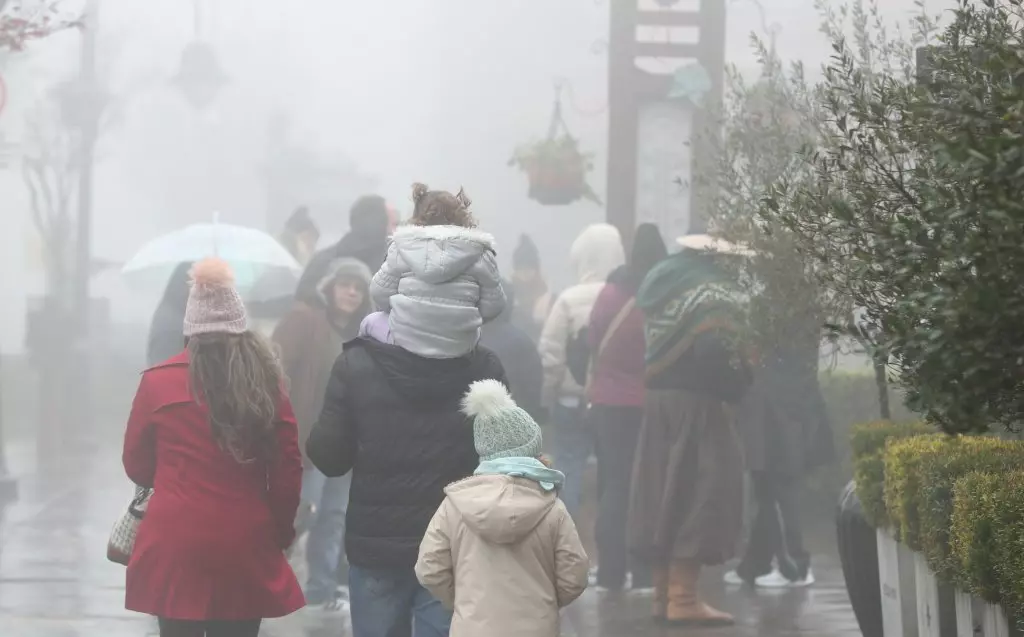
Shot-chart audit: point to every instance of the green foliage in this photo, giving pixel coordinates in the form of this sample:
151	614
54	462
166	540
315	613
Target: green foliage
987	537
938	474
972	533
869	443
902	482
910	204
1008	533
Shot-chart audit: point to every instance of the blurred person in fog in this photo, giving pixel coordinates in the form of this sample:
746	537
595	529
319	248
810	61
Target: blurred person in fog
165	332
310	339
367	240
595	253
518	355
616	395
534	297
686	505
300	236
274	291
786	434
211	431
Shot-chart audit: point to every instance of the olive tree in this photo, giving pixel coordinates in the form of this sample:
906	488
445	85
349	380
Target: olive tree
916	208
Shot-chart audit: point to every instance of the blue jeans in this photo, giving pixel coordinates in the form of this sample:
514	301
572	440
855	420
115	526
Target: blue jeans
571	444
386	603
326	533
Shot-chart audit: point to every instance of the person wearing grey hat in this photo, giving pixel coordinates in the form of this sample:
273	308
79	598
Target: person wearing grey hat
310	338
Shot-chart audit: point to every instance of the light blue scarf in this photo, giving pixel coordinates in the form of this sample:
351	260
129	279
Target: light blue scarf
529	468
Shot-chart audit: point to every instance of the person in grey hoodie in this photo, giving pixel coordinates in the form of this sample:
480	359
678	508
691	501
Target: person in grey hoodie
502	550
440	282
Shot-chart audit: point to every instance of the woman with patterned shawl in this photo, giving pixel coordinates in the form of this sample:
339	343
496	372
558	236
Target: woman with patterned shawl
686	505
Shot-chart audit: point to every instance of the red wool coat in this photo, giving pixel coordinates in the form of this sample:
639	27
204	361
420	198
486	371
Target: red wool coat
211	546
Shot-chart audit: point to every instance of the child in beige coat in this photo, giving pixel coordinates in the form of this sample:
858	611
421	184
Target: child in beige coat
502	550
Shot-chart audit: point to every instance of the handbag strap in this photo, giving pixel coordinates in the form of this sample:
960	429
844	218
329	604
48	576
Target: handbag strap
613	327
616	323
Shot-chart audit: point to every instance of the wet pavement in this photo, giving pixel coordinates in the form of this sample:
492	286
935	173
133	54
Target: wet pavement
55	580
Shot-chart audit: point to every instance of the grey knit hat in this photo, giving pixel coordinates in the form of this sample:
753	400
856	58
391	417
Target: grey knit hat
501	429
343	268
214	305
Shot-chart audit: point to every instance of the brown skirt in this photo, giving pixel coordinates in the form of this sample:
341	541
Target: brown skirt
687	493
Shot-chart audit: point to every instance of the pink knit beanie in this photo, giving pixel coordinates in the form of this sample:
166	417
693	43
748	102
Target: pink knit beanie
214	305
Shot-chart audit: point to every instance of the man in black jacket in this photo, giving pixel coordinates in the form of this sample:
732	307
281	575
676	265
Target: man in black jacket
367	240
394	420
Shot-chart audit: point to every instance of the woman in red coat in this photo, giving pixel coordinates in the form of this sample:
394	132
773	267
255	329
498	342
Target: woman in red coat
213	433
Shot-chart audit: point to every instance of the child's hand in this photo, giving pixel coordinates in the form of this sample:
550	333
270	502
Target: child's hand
546	460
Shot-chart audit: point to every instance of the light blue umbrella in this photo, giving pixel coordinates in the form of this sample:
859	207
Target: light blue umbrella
251	253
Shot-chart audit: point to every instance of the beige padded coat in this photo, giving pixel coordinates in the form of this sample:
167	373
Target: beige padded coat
505	555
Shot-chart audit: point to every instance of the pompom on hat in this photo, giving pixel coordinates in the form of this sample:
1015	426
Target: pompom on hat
501	429
214	305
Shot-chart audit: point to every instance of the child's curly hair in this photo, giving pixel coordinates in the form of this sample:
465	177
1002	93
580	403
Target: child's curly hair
440	208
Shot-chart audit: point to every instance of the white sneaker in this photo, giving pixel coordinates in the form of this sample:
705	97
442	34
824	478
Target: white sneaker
775	579
732	578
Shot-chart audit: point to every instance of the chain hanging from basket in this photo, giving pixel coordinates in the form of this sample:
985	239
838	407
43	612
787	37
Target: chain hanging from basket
556	168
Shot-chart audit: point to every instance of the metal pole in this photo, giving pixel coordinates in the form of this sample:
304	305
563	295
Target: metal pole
83	252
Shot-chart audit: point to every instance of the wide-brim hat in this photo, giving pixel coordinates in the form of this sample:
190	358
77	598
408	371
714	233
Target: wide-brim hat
707	243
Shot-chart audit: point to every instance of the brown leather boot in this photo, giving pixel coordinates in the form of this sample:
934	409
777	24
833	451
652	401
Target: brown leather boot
685	607
659	577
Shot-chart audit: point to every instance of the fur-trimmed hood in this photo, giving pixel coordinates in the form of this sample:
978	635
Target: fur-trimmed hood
437	254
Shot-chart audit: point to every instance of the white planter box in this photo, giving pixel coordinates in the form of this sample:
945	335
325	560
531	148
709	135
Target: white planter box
993	622
936	611
896	573
966	625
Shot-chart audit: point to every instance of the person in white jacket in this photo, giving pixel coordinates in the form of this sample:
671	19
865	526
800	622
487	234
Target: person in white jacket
594	254
440	281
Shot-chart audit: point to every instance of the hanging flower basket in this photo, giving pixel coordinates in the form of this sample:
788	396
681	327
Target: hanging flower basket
556	170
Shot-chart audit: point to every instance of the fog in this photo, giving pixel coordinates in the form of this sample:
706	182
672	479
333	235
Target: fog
387	93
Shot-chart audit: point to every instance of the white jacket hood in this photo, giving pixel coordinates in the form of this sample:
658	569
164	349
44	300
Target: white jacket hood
596	252
437	254
501	509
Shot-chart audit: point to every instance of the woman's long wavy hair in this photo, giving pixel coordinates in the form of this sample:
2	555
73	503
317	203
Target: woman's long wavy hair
238	378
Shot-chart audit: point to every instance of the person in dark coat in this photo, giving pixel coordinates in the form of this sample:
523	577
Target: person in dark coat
310	339
393	419
518	354
166	337
367	240
786	433
616	394
535	299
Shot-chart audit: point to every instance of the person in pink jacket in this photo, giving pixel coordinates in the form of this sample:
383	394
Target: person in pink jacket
502	550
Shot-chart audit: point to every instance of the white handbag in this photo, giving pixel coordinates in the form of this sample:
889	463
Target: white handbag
122	536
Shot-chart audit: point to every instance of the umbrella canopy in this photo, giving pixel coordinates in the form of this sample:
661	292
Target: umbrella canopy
251	253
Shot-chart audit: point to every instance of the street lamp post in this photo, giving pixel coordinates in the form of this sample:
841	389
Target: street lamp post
84	109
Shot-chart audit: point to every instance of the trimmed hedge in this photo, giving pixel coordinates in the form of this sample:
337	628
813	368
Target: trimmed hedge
902	482
959	500
988	537
868	444
972	534
938	476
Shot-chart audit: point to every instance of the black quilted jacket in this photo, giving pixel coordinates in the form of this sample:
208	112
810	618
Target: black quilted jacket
393	419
